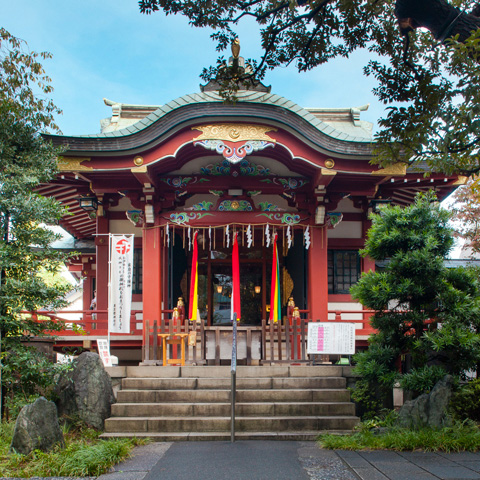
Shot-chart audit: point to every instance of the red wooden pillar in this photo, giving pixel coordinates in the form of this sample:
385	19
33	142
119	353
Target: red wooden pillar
101	242
318	274
152	277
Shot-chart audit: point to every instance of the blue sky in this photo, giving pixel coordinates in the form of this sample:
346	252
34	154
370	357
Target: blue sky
108	49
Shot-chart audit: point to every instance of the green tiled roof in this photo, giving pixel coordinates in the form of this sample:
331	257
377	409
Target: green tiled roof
262	98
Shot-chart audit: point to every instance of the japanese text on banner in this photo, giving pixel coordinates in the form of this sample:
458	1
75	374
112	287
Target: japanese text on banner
121	275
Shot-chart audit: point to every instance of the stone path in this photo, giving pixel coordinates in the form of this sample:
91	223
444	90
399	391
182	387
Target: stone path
274	460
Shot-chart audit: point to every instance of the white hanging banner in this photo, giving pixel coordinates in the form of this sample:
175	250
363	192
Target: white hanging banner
120	285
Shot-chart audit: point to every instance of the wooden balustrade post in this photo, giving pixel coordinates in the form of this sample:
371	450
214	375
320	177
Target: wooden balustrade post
146	344
155	340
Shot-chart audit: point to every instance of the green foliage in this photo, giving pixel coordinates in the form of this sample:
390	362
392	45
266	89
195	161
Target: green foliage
461	436
467	213
26	373
26	160
422	308
422	380
376	366
429	84
370	400
84	455
465	403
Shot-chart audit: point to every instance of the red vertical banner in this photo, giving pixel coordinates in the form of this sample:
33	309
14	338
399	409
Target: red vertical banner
193	303
235	279
275	305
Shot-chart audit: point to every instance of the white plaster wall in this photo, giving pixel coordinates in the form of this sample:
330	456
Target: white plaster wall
345	306
124	226
346	206
123	204
346	230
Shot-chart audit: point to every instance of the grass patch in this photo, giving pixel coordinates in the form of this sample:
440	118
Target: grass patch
462	436
84	455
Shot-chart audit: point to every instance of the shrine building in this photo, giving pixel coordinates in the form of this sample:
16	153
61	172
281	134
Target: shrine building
261	167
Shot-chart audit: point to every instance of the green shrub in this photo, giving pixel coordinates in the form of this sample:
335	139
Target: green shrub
465	401
461	436
422	380
85	454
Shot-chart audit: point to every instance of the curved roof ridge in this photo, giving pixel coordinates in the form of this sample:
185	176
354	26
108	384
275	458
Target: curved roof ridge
244	97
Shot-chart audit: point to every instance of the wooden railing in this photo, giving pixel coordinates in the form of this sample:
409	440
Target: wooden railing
287	341
172	330
92	322
280	342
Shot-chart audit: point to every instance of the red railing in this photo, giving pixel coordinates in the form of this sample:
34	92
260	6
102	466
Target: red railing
91	322
95	322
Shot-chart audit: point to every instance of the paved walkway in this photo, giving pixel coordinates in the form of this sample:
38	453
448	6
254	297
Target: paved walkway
274	460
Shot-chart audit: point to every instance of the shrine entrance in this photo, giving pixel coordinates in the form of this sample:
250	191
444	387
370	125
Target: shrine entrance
215	277
215	284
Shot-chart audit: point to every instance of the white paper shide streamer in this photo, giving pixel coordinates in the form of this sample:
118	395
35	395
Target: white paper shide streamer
307	237
249	236
289	237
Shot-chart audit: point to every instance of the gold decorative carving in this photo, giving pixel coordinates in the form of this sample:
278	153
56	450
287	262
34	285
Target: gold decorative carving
461	180
141	169
329	163
395	169
73	164
287	285
138	160
234	132
326	172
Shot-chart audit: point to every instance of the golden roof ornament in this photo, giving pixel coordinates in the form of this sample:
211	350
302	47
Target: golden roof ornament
236	48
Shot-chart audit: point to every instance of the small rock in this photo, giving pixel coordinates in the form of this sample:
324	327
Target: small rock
37	428
428	410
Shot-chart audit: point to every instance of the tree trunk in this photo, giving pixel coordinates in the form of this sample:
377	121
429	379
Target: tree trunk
442	19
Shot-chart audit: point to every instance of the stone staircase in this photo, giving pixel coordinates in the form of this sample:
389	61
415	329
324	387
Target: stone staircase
193	403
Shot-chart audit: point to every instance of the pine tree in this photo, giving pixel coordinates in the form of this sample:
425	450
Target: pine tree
425	312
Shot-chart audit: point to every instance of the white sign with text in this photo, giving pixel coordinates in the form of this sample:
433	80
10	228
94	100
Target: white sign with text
104	352
331	338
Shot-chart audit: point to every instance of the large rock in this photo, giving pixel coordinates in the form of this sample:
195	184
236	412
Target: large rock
86	391
428	410
37	428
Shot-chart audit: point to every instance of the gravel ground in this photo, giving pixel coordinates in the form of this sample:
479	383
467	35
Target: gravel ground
323	464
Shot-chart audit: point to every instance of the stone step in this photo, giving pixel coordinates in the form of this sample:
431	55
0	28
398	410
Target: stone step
222	396
241	409
223	436
225	383
222	424
224	371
